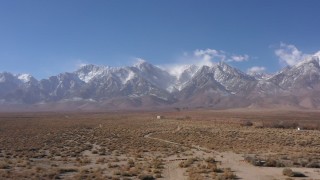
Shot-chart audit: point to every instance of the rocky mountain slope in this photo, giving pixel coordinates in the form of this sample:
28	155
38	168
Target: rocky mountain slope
144	85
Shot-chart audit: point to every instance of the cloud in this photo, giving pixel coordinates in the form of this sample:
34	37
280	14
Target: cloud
256	69
176	69
138	61
199	57
239	58
289	54
208	56
80	63
202	57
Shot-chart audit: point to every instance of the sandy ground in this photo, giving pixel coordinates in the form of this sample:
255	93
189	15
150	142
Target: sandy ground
173	171
245	170
236	162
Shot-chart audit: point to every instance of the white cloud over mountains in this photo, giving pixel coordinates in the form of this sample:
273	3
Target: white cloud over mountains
212	55
239	58
256	70
203	57
80	63
206	57
289	54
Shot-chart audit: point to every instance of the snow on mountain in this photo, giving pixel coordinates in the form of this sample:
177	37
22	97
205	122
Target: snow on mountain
233	79
19	80
313	58
180	71
155	75
5	77
144	84
62	86
124	74
129	77
305	74
260	75
25	77
182	74
317	55
140	80
8	77
8	83
88	72
203	80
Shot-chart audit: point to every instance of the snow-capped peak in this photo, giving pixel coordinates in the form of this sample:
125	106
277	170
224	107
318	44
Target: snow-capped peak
24	77
313	58
88	72
139	63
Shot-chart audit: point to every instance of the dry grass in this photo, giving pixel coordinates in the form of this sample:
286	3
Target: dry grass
113	145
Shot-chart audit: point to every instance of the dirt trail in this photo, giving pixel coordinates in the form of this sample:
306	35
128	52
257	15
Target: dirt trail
158	139
236	162
245	170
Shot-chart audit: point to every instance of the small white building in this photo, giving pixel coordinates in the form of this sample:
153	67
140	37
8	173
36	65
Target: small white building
159	117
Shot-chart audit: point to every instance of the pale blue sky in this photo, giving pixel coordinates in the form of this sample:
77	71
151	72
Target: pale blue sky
44	38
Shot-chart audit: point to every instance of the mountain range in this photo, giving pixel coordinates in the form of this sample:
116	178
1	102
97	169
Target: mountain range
146	86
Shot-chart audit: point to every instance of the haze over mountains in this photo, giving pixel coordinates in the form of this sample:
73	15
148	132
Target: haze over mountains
146	86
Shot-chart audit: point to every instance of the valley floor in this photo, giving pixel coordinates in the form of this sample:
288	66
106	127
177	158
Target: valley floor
199	144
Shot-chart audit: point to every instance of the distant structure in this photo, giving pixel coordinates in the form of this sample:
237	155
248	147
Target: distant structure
159	117
299	129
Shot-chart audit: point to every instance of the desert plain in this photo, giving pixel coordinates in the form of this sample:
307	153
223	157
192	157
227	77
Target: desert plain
183	144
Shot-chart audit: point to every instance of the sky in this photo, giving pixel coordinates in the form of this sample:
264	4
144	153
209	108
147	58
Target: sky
44	38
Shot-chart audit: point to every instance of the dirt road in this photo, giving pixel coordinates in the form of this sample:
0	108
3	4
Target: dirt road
236	162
